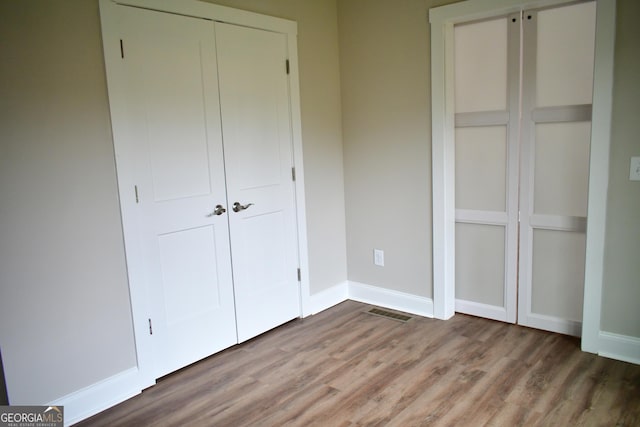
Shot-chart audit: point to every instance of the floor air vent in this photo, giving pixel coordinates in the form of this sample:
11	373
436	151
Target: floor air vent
389	314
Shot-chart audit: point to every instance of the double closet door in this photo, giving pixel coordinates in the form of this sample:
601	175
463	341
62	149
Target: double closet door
523	93
203	144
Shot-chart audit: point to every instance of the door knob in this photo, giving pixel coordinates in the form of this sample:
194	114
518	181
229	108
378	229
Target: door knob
218	211
237	207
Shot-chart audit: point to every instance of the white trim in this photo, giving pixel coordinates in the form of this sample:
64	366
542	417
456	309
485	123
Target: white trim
569	113
514	74
442	166
598	172
482	118
470	216
471	10
139	295
327	298
619	347
442	20
214	12
483	310
559	223
387	298
296	133
88	401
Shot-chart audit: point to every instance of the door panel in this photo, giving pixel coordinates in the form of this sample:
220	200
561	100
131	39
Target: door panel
481	168
561	175
176	145
185	257
558	274
254	96
175	114
480	263
565	53
481	66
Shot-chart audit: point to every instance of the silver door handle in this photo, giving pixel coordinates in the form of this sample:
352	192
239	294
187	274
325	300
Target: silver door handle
218	211
237	207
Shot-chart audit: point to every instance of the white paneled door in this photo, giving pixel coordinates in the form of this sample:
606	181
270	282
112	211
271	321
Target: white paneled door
523	110
258	158
204	136
176	155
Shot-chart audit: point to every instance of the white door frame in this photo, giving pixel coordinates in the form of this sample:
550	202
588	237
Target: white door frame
111	45
442	20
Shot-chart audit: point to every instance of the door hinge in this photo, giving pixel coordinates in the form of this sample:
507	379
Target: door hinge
121	49
135	187
299	275
150	327
293	174
287	66
518	216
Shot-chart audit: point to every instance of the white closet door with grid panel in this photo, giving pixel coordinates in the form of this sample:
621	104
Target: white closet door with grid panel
558	53
522	135
486	150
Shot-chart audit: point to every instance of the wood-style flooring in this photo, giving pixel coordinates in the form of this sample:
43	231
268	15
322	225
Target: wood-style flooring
344	367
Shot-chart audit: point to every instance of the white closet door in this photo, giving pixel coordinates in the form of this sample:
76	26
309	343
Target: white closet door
558	54
486	167
173	150
254	96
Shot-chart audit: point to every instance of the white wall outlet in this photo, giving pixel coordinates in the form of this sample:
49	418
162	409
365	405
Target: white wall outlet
634	172
378	257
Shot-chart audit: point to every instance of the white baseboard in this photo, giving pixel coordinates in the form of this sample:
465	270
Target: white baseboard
390	299
97	397
328	298
619	347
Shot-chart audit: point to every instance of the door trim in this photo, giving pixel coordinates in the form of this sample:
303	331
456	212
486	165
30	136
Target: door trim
117	105
442	20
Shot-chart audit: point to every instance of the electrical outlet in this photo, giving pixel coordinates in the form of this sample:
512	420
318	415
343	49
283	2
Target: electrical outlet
378	257
634	171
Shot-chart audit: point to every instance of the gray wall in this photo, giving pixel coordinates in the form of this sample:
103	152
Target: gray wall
65	320
386	113
621	291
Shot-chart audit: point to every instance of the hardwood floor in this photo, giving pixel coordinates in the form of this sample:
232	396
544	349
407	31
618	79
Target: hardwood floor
344	367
